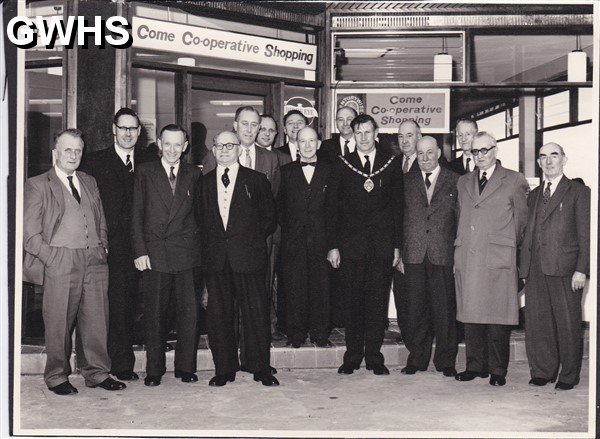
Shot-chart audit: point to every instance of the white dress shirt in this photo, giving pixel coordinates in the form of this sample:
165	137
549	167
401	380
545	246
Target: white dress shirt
554	184
63	178
410	159
224	194
293	150
371	155
167	167
432	179
471	163
252	150
351	144
123	153
488	172
308	171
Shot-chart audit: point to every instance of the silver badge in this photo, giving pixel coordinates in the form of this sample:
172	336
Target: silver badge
369	185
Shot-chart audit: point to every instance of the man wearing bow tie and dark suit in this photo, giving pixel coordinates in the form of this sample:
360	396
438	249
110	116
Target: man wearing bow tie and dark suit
166	246
237	211
365	237
303	213
114	168
555	261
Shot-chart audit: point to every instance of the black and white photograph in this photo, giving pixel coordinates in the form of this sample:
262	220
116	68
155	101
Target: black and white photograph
339	219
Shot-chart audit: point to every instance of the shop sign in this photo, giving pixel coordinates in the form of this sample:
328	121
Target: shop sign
429	108
201	41
303	105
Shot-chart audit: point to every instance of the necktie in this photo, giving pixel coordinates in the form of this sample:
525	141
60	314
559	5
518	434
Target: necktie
247	158
546	194
313	164
225	177
427	182
128	163
468	169
172	179
297	155
482	182
74	189
346	148
367	167
405	166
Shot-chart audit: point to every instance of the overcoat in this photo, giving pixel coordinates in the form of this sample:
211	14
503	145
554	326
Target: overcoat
490	225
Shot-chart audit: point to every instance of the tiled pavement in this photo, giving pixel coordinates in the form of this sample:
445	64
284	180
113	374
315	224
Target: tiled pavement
308	356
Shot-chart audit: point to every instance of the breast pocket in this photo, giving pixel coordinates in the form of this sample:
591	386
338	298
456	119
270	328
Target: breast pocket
500	253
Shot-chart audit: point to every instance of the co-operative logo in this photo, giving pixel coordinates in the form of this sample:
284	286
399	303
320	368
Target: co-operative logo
353	102
303	105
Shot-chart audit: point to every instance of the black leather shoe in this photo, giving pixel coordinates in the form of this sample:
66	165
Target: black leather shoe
563	386
411	370
266	379
497	380
110	384
323	343
168	347
221	380
127	376
186	377
448	371
347	369
539	381
65	388
244	368
152	381
379	369
468	375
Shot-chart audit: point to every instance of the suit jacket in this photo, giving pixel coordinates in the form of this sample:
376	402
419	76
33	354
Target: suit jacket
282	157
252	219
44	206
163	225
564	232
267	163
430	228
366	225
115	183
490	226
413	168
457	166
303	209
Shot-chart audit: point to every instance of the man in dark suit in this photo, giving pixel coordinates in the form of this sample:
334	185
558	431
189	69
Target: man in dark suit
465	131
113	168
293	121
555	261
237	212
493	213
65	243
430	213
365	233
166	247
303	213
343	143
267	134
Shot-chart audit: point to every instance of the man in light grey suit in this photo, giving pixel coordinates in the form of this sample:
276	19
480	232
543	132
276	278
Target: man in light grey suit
65	242
429	229
493	213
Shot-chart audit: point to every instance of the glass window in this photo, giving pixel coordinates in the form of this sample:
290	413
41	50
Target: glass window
494	124
582	155
515	120
556	109
586	103
518	58
153	98
508	153
45	9
395	58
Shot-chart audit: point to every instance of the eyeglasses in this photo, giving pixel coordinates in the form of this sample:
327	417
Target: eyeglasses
482	151
229	146
128	130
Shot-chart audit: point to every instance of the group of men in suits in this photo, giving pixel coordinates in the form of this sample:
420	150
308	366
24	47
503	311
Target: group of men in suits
349	214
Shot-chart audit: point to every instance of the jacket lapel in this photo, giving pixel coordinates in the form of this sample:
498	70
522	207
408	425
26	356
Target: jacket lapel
56	188
557	197
436	201
213	200
117	165
493	183
181	189
472	185
161	182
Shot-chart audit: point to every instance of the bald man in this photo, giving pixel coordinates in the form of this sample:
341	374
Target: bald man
429	230
303	214
555	261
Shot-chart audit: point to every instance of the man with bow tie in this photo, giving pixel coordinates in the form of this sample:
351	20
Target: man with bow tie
114	168
365	238
302	213
492	216
555	261
237	211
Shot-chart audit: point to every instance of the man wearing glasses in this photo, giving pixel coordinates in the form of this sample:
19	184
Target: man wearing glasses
492	217
114	169
237	211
